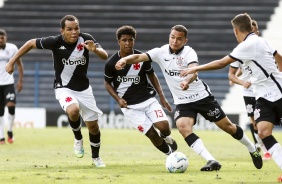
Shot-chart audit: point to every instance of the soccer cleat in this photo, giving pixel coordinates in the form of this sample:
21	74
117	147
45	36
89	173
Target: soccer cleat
211	166
279	179
98	162
10	137
78	148
2	141
171	142
257	160
10	140
266	156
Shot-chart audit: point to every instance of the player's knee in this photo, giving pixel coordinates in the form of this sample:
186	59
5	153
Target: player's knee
11	110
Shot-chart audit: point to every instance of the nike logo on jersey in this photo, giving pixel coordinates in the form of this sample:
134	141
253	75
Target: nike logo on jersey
167	59
62	48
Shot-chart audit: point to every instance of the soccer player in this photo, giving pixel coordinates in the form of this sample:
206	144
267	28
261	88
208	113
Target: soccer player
248	95
258	57
70	59
135	95
7	89
191	95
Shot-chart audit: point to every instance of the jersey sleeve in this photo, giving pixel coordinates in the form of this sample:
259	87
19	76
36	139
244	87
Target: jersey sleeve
108	73
153	54
90	37
46	42
235	64
192	57
148	68
243	52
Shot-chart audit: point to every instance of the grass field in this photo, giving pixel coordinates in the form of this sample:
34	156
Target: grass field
46	156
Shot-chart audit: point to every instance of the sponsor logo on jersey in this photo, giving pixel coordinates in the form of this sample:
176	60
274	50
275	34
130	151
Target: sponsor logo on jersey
78	61
172	72
134	79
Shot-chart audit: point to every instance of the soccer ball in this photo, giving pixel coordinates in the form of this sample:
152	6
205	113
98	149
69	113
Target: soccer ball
176	162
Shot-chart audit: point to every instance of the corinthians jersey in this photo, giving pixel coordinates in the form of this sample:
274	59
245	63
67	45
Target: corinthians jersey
256	56
5	54
70	61
131	82
171	64
244	77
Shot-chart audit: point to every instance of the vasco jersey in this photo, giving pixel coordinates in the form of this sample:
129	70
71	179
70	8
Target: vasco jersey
70	61
5	55
131	82
245	77
256	55
171	64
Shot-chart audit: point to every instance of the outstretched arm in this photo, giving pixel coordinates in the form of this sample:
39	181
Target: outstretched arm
91	46
20	75
214	65
30	44
131	59
155	82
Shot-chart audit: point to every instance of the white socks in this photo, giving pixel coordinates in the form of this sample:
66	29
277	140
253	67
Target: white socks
199	148
276	153
247	142
10	124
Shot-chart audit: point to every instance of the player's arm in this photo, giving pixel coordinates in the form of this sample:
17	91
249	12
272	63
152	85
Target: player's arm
131	59
20	74
214	65
278	59
122	103
30	44
155	82
189	78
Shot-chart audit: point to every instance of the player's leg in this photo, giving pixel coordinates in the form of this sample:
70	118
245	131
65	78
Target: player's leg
237	133
158	141
70	105
11	117
90	113
184	125
2	137
10	100
156	114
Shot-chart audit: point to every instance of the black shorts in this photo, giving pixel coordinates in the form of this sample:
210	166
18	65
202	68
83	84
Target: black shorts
207	107
250	103
7	94
268	111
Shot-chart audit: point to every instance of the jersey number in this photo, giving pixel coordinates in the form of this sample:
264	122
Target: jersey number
159	113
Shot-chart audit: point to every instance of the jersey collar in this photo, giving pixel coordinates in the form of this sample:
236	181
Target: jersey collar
177	52
250	33
3	47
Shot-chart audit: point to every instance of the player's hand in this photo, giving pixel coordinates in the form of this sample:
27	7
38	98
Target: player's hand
89	45
231	83
120	64
184	85
165	104
246	84
187	71
10	67
122	103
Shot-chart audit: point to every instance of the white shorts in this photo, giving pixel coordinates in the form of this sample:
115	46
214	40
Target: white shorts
144	114
85	99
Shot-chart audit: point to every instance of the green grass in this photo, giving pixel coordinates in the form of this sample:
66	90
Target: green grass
46	156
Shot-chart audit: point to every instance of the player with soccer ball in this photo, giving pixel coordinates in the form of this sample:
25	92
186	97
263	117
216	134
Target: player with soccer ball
191	95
